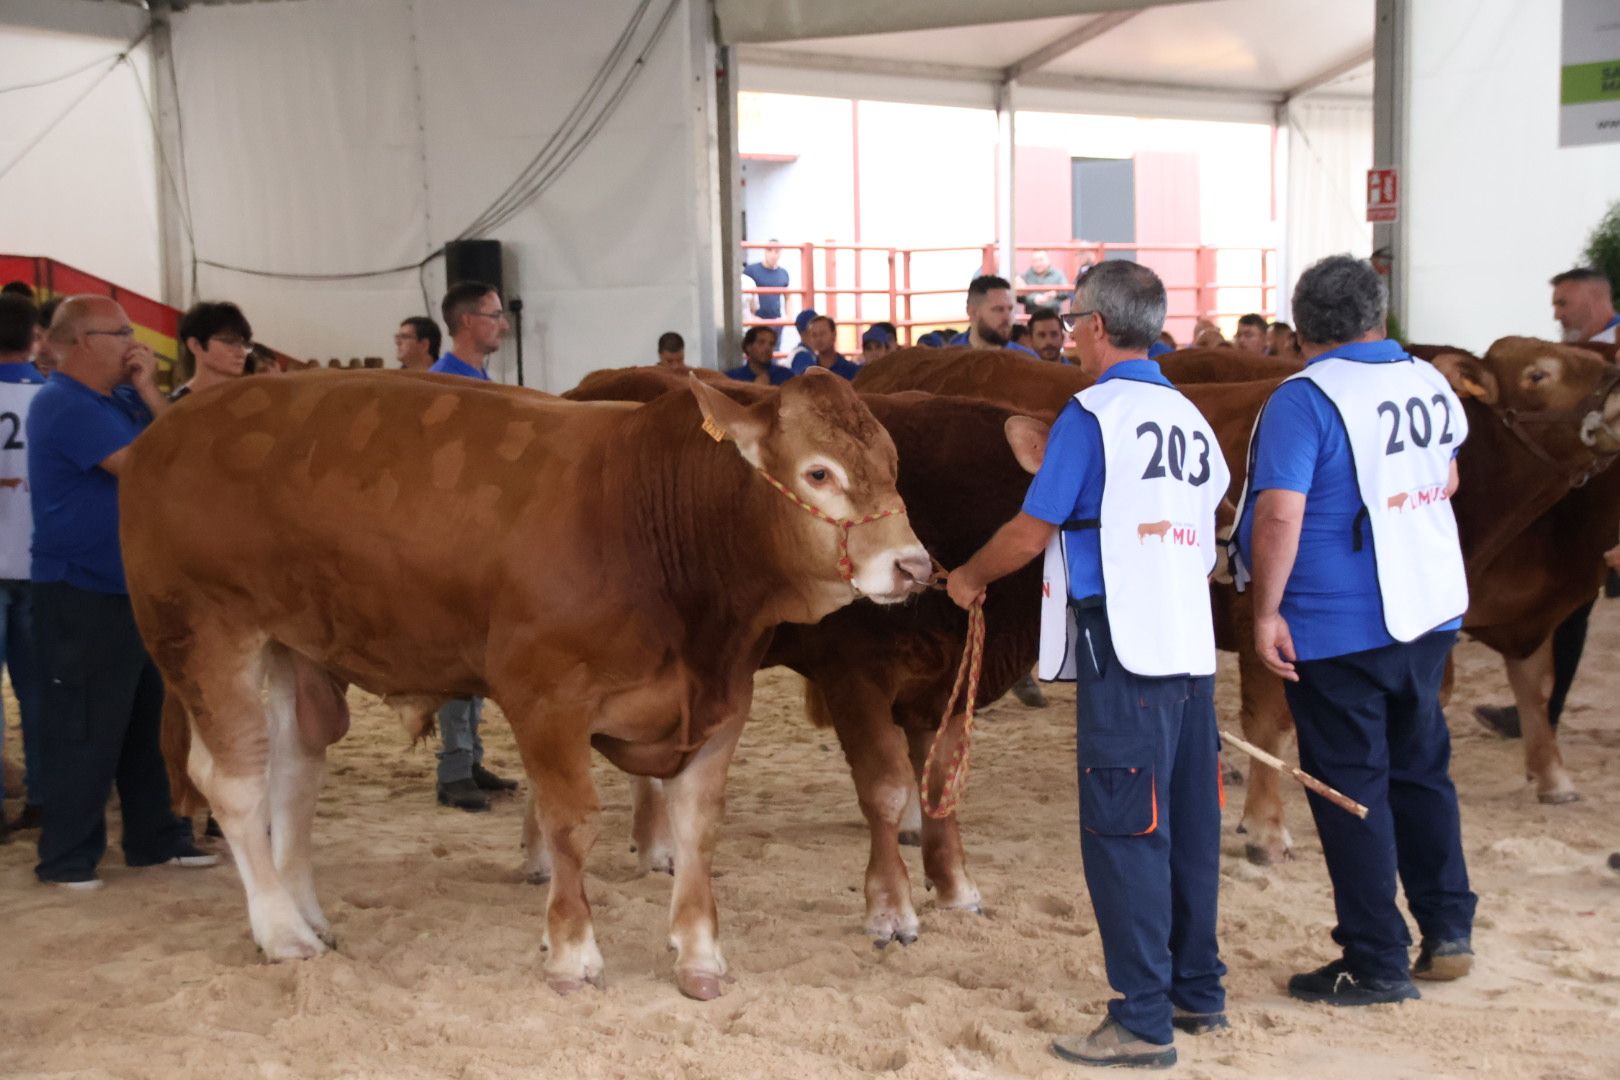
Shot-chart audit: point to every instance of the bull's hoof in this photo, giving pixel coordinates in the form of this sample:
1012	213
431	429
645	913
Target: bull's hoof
1614	860
698	985
1261	855
328	937
661	862
910	838
537	877
292	947
565	987
884	929
1558	798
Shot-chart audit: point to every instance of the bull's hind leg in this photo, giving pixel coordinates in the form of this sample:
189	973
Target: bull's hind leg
230	762
1267	723
697	799
306	713
649	826
1532	679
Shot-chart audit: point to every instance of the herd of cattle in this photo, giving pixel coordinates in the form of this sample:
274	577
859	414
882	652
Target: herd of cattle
612	569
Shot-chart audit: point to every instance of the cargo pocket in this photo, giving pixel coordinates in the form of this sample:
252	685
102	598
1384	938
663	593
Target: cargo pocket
1117	793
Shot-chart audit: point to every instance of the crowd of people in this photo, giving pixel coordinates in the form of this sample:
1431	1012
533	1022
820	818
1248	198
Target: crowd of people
1360	645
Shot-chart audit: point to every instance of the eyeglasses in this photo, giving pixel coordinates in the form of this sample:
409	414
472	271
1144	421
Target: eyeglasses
125	332
497	315
1071	320
232	341
405	337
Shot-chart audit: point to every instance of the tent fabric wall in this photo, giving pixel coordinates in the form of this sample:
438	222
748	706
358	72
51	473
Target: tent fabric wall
86	193
1494	206
1330	146
360	134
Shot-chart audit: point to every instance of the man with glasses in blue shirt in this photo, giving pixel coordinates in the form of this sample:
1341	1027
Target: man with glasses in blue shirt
476	320
1124	507
102	696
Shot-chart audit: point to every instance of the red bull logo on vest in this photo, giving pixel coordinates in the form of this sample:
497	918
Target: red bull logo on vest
1168	532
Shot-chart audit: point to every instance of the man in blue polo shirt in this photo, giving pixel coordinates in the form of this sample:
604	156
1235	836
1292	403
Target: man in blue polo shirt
1124	506
103	696
759	343
990	309
1359	591
767	273
821	337
476	321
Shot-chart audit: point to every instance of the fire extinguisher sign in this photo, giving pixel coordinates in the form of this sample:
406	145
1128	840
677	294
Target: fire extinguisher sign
1383	195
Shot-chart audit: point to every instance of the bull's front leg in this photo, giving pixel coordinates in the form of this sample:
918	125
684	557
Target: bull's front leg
1532	679
1267	723
944	862
557	755
875	748
696	798
536	856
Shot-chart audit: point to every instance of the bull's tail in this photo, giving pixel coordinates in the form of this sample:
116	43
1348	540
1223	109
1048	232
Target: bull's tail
176	741
816	709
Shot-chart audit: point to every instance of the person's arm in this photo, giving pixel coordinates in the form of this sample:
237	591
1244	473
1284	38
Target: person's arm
1454	480
1010	549
1278	516
141	370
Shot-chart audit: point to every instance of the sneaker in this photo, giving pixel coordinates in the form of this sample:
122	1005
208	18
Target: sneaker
1028	691
87	885
1198	1023
1112	1044
1502	720
1335	984
463	795
488	781
1442	961
185	854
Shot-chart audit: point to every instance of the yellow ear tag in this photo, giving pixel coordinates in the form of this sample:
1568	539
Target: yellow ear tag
713	429
1473	388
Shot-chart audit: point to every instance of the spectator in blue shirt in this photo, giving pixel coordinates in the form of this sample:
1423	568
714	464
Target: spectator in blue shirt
476	320
103	696
416	343
759	343
822	338
767	274
990	316
878	341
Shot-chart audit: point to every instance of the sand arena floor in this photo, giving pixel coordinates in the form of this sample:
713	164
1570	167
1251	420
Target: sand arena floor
438	970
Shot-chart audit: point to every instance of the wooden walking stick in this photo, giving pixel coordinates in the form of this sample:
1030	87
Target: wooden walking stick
1342	801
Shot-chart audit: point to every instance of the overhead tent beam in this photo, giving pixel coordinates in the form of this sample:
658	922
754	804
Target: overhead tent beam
1329	74
745	21
1066	44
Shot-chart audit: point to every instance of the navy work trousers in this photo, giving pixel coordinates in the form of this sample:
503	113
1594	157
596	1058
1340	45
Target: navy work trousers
1150	832
1370	724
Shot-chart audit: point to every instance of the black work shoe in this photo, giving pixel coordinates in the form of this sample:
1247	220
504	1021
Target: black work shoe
463	795
1442	961
1112	1044
1198	1023
1028	691
184	854
1334	984
1502	720
32	814
488	781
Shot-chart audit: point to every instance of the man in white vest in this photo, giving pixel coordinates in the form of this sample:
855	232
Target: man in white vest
1359	591
1126	612
20	380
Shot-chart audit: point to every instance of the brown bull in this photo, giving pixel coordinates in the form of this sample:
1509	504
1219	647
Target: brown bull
1510	478
610	575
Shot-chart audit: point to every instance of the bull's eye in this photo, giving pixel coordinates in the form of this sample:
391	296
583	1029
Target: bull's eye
816	476
1537	376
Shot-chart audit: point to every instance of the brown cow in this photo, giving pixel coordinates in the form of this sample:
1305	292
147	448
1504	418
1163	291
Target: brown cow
881	676
1506	485
610	575
1224	365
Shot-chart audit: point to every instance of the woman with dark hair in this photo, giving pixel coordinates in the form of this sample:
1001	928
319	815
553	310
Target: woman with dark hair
217	338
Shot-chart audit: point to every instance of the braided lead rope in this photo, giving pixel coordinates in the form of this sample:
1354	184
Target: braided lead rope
954	784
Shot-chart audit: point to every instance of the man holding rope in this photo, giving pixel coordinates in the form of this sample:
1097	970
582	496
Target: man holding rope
1127	612
1359	591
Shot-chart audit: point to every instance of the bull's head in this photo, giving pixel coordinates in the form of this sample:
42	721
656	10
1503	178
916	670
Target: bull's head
842	517
1562	399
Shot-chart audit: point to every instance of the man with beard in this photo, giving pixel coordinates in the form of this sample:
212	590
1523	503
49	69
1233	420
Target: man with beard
990	316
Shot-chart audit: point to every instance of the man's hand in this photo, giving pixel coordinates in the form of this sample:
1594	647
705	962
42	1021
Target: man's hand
1275	644
1612	557
140	368
965	590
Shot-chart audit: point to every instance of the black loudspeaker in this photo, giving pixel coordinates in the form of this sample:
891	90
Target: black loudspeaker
473	260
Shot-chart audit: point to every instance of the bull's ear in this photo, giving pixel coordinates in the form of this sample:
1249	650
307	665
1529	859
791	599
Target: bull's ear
727	419
1027	437
1468	376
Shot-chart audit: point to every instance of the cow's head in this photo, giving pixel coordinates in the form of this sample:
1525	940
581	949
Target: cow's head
1564	398
819	441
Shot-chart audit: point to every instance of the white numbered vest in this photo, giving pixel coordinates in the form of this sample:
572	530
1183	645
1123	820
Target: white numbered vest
1163	477
16	515
1404	422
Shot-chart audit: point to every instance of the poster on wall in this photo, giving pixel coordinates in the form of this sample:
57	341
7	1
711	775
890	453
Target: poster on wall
1589	81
